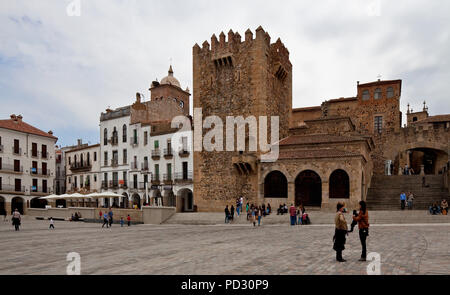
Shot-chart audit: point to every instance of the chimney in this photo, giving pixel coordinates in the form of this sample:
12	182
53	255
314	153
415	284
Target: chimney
138	97
13	117
50	132
19	118
80	142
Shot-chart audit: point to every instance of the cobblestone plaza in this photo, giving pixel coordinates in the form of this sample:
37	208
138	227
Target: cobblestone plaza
218	249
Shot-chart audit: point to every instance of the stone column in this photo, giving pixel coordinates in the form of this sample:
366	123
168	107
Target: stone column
325	195
8	207
291	193
422	169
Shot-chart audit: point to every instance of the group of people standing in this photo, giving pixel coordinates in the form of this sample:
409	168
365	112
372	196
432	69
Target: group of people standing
298	215
406	199
341	230
108	219
254	213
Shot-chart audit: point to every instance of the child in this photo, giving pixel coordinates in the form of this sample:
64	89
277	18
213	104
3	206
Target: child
354	223
51	223
128	219
121	221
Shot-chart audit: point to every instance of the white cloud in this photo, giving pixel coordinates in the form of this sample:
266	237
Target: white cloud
70	69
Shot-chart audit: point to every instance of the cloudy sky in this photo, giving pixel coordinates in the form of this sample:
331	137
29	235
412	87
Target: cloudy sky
60	70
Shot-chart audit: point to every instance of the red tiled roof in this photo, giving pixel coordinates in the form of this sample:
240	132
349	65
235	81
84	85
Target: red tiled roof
435	119
318	138
319	153
21	126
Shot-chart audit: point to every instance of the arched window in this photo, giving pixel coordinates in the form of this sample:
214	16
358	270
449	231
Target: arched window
390	92
339	185
377	93
275	185
105	136
365	95
124	133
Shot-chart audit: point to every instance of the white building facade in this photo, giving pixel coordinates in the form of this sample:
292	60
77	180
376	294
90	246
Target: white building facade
27	165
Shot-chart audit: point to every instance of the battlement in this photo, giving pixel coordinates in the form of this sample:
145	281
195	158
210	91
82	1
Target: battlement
227	45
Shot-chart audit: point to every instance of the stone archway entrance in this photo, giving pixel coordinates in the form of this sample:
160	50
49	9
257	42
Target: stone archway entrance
339	185
136	201
185	200
17	203
124	201
38	203
2	205
308	189
431	159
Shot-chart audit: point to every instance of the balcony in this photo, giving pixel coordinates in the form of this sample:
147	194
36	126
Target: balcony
113	184
134	166
114	162
155	178
183	177
39	172
156	154
80	166
34	154
184	152
168	153
114	140
123	184
39	190
134	141
17	151
104	184
167	178
8	188
144	166
8	168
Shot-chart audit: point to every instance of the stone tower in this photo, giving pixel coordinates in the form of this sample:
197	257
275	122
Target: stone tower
238	78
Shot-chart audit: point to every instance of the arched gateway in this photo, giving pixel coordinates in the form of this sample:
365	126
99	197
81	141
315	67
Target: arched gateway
308	189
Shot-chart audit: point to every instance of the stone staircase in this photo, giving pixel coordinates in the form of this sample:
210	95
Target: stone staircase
384	193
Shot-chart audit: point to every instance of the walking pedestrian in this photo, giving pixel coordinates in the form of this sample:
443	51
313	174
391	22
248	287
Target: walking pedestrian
363	225
105	220
293	214
51	223
110	217
340	231
402	200
410	200
16	218
259	215
128	219
227	214
253	216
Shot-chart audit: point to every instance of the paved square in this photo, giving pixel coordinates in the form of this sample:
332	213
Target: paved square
218	249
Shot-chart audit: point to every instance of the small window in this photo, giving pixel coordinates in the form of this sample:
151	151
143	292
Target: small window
156	144
390	92
181	104
95	156
365	95
377	93
415	119
378	127
105	136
